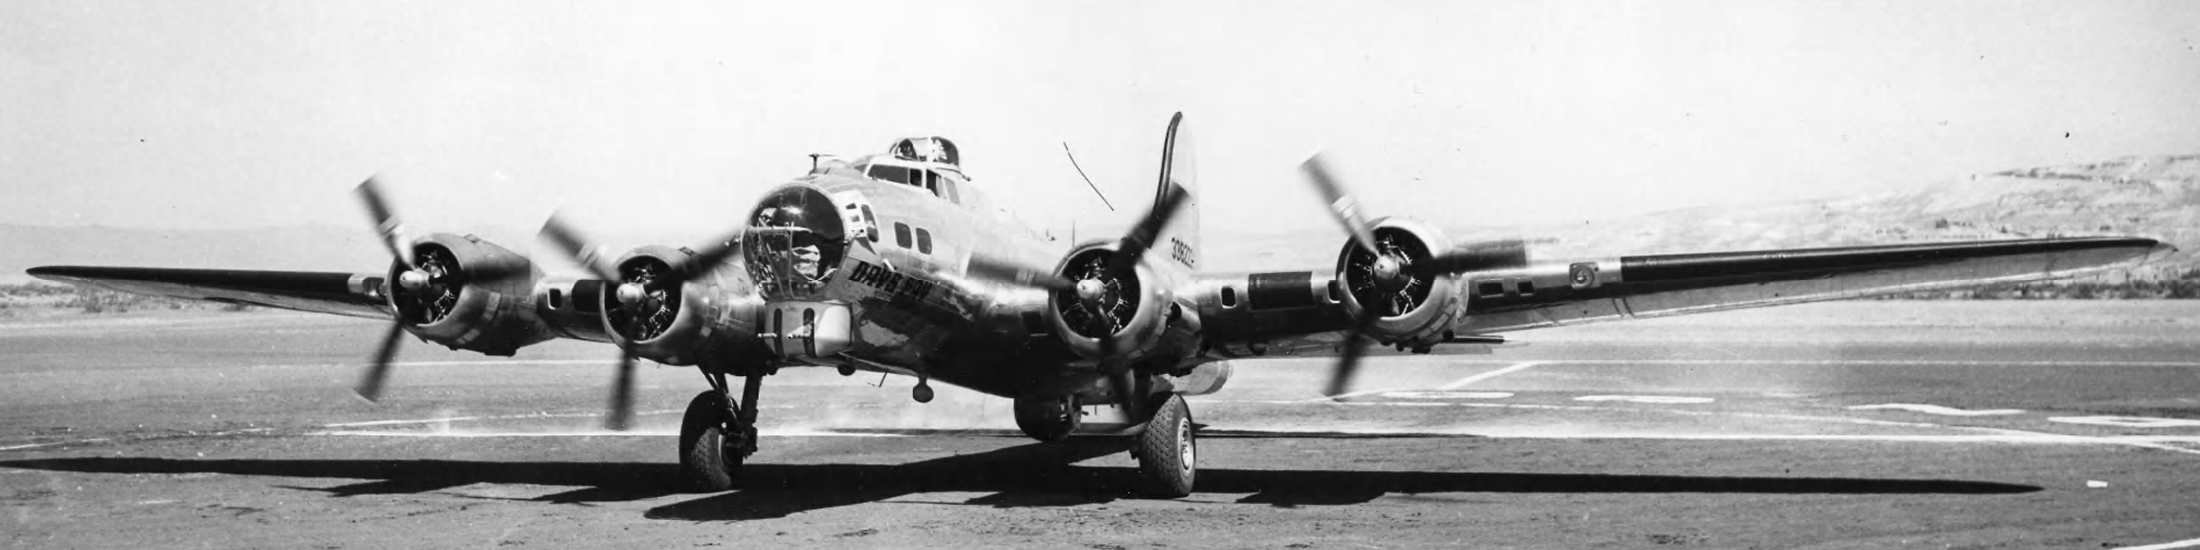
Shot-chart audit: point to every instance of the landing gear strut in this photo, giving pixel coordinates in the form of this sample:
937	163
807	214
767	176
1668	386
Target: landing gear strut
717	433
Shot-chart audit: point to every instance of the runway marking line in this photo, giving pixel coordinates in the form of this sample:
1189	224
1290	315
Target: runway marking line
1445	394
2149	442
1652	399
1517	367
139	438
2128	421
1935	409
475	418
2187	543
37	445
1455	384
1534	406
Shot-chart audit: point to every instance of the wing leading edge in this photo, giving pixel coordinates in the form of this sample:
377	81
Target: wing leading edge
350	294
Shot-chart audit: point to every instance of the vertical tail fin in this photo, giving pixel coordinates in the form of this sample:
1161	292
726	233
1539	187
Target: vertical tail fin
1179	240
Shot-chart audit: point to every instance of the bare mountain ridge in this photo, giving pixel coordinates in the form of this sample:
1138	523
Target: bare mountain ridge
307	248
2155	197
344	248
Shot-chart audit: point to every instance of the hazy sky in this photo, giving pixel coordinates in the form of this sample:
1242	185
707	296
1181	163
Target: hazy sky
650	116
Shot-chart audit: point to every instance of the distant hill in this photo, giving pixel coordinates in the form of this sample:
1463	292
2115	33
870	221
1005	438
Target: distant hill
311	248
346	248
2147	196
2156	197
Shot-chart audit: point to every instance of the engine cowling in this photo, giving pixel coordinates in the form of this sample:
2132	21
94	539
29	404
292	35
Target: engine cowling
476	295
1108	316
653	315
1409	308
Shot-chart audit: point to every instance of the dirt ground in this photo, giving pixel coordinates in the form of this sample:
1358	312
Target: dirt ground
1844	425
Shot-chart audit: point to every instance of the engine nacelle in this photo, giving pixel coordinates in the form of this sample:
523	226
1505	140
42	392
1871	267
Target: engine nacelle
709	318
1120	317
477	296
1409	309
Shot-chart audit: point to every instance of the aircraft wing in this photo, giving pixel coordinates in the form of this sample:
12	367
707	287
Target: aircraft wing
1629	287
1678	284
352	294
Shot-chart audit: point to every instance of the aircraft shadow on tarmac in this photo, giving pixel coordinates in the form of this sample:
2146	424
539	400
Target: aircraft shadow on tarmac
1025	475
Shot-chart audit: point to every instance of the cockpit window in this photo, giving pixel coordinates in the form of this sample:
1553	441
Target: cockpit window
930	181
894	174
947	190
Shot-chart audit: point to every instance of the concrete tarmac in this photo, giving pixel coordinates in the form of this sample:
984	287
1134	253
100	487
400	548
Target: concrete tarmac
1843	425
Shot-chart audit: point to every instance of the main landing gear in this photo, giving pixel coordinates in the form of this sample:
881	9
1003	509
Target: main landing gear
717	433
1166	449
1167	454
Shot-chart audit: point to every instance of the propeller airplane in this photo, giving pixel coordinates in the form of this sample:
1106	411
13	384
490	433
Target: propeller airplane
894	263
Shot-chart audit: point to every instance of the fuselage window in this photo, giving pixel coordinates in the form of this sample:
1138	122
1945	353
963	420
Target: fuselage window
1491	288
924	241
1527	288
901	234
870	222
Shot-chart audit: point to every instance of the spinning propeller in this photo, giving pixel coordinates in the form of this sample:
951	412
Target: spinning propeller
647	296
1390	277
1098	290
437	279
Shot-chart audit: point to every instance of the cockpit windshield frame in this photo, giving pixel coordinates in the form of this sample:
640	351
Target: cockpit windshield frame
932	181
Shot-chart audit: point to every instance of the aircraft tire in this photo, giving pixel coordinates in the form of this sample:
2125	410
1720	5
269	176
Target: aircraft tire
1047	420
709	460
1167	452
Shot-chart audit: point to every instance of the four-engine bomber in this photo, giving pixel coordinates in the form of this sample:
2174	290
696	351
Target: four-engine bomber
898	263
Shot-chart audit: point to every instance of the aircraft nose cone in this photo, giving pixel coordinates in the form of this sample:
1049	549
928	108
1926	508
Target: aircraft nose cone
630	294
797	238
412	279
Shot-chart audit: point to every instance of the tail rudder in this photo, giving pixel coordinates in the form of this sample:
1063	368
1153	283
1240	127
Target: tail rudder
1179	239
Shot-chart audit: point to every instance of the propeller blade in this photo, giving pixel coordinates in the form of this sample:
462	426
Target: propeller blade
370	386
1008	272
385	220
1149	228
1480	256
1343	205
711	254
1355	348
569	241
621	416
